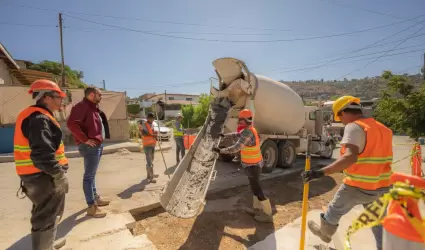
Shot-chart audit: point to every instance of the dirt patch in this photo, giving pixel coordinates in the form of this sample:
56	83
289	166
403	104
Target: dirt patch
224	225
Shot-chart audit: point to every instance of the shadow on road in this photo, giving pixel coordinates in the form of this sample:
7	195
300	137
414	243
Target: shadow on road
64	228
210	228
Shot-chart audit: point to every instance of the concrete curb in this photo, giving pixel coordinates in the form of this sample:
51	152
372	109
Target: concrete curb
76	154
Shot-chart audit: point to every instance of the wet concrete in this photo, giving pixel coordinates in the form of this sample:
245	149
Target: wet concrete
190	193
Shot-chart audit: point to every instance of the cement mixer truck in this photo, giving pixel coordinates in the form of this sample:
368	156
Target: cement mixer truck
280	117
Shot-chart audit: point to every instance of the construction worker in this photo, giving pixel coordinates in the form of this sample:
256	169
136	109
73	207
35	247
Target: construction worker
366	157
89	127
149	143
249	145
178	137
41	163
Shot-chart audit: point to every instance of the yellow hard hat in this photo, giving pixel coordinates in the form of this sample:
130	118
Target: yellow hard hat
341	103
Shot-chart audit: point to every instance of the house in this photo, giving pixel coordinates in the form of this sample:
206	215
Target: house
182	99
14	72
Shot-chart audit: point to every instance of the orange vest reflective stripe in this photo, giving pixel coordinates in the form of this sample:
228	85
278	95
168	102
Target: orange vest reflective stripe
22	150
148	140
373	167
396	221
252	155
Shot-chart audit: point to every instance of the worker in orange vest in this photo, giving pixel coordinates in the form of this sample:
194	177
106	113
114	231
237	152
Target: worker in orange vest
404	227
149	143
366	158
251	159
41	163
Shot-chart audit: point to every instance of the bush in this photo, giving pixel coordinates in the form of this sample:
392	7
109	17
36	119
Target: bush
134	130
133	109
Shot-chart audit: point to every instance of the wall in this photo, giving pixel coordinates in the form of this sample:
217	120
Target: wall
5	74
13	99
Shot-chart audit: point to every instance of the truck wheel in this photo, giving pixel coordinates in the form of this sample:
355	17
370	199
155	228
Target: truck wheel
327	154
226	157
270	155
287	154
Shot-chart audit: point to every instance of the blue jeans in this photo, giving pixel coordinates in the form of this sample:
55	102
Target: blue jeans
150	155
91	163
348	197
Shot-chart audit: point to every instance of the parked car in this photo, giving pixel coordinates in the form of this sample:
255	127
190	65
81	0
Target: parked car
164	132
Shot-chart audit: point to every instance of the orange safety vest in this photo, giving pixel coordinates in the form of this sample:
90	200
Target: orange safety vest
252	155
148	140
396	221
373	167
22	149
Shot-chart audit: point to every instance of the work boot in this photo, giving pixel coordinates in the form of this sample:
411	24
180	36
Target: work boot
151	176
95	212
101	202
325	231
43	240
265	214
256	207
59	243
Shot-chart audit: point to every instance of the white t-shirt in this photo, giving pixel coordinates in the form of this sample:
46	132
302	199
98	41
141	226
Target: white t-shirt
355	135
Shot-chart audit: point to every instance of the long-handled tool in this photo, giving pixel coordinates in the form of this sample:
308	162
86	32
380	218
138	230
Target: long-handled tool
305	195
159	144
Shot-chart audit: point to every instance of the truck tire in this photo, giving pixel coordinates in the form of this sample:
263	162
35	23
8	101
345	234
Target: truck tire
270	154
226	157
287	154
329	150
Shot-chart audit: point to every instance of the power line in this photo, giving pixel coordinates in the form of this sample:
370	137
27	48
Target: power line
385	53
364	48
144	20
169	85
372	53
243	41
343	53
29	25
362	59
360	8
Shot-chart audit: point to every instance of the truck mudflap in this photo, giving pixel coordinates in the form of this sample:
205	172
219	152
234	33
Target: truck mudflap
184	196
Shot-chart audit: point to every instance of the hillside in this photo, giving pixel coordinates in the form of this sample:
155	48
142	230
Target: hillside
366	88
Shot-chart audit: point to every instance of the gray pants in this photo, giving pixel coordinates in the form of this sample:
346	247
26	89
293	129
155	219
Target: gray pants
348	197
47	206
393	242
150	156
179	148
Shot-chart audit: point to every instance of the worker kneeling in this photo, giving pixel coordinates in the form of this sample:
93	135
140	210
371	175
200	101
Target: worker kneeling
366	157
252	160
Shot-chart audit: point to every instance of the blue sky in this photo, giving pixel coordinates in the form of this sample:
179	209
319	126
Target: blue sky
138	63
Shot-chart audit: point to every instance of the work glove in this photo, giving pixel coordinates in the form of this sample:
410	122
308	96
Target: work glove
221	134
310	175
61	182
216	150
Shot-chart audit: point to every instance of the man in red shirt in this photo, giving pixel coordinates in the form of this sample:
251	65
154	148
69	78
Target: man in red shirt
89	127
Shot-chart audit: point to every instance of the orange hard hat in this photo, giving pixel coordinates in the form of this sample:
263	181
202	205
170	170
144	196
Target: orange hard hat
45	85
245	114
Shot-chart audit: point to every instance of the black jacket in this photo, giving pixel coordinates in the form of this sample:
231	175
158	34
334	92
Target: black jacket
44	138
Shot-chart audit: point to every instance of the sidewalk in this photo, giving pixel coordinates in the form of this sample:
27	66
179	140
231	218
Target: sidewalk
288	237
71	151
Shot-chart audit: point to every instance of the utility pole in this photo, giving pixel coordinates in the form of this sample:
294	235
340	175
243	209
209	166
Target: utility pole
63	60
423	73
104	84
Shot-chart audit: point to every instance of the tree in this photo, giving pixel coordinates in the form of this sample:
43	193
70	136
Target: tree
133	109
195	115
73	77
401	106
